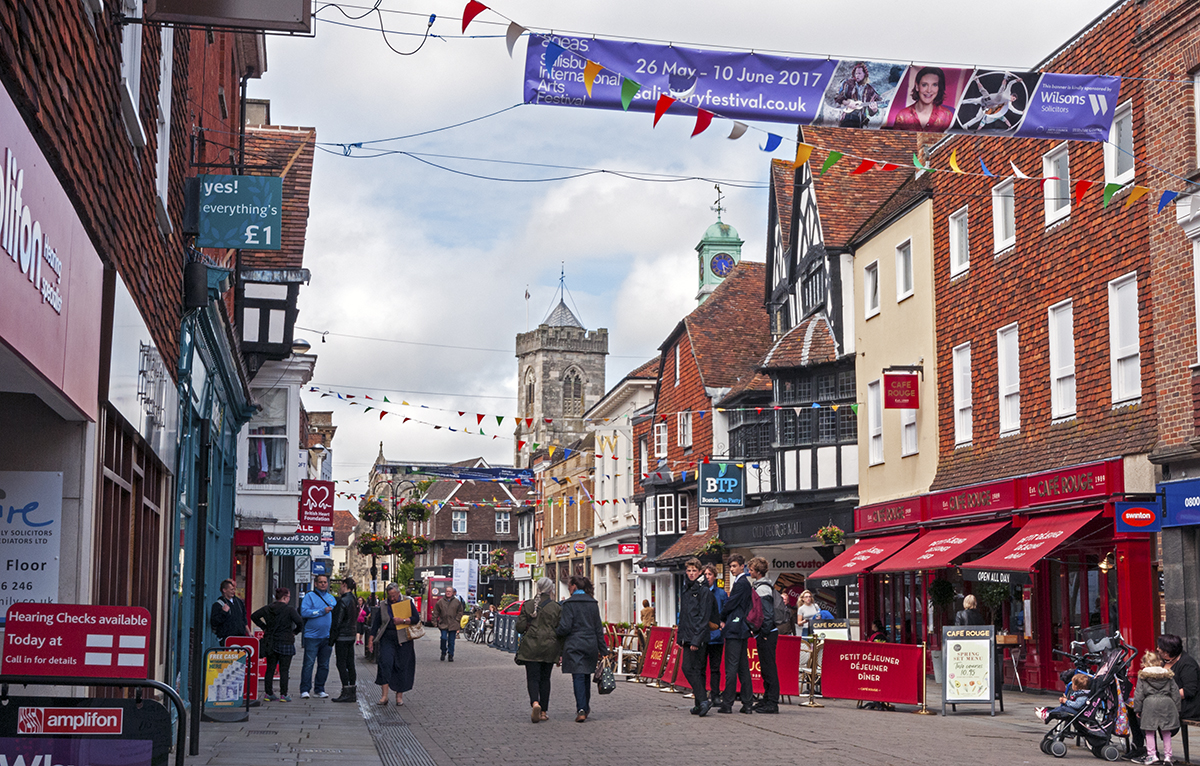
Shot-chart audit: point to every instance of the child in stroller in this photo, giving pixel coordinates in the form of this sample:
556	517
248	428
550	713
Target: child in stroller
1070	703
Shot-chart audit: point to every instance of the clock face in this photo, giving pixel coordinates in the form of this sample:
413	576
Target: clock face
721	264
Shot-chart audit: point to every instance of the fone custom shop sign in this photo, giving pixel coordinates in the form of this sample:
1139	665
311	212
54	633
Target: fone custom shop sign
316	502
240	212
901	391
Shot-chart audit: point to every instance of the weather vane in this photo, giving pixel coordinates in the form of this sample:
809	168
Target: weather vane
718	207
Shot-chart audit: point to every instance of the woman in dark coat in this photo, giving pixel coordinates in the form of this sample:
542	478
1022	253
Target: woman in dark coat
539	648
280	623
1187	674
393	648
583	646
969	614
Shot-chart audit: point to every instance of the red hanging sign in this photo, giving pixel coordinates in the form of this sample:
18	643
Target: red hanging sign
316	502
901	391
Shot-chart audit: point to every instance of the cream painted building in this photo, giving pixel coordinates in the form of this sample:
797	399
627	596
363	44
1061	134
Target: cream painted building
894	328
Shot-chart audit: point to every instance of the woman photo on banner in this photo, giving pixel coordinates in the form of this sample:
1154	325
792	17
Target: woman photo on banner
932	93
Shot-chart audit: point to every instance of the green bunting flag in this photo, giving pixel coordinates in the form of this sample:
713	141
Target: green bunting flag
629	89
830	161
499	420
1109	191
854	407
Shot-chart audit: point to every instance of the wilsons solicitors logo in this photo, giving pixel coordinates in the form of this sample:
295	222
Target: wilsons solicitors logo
70	720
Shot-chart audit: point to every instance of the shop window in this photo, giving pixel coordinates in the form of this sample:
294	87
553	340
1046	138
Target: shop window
847	426
643	457
908	432
163	133
703	518
503	522
904	271
827	425
1008	363
1062	360
660	440
268	452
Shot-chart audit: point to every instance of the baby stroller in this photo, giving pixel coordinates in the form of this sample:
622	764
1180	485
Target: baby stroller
1096	721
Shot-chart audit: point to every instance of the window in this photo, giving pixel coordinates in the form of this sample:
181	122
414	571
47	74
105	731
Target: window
1056	170
502	522
827	388
871	288
683	513
812	287
683	425
480	552
677	364
666	514
962	394
529	392
163	162
1008	366
904	271
827	425
660	440
572	396
960	245
1062	360
131	73
267	447
458	522
1123	341
1004	216
643	457
1118	152
908	432
702	521
846	389
847	426
875	422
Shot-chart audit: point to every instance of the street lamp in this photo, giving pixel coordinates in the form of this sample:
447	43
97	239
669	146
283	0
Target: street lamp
394	489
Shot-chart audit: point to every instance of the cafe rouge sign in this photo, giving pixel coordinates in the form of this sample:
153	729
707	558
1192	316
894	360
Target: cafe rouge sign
1082	482
901	391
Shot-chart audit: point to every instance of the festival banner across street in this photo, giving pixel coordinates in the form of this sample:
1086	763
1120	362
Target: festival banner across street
871	95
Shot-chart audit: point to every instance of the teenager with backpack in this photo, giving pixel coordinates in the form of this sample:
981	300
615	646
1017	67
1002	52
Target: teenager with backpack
767	635
735	625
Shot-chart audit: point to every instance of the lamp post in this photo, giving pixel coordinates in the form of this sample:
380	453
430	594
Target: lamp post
394	489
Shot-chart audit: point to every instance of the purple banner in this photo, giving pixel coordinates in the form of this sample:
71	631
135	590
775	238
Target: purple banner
76	752
868	95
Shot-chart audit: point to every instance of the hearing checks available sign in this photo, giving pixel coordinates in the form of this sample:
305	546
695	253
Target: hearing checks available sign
869	95
76	640
861	670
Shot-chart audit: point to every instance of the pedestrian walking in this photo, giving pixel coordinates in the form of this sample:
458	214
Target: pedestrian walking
767	637
697	608
447	615
362	620
647	616
280	623
1157	701
397	661
540	646
341	635
368	636
317	610
583	644
969	614
737	634
716	638
228	614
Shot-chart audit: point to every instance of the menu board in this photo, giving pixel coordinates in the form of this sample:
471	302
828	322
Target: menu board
968	657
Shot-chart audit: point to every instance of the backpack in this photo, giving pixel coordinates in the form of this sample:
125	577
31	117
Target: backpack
769	607
754	618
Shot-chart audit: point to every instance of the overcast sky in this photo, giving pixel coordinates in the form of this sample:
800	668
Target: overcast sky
405	251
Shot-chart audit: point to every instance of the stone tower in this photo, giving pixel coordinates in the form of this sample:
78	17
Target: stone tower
560	376
718	251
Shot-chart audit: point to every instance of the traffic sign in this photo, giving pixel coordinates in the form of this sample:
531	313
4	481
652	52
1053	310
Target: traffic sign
77	640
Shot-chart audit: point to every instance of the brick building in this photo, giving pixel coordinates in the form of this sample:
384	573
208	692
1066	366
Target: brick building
565	479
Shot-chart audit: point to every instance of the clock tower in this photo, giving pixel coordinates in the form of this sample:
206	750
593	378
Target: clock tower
719	251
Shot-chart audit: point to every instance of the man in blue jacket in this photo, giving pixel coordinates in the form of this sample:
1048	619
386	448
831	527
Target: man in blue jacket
316	609
737	634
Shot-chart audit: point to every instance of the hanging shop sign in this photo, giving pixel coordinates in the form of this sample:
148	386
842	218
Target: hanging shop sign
580	547
240	212
722	485
77	640
316	502
969	659
851	93
30	536
1139	517
629	549
861	670
901	391
47	731
1182	502
265	15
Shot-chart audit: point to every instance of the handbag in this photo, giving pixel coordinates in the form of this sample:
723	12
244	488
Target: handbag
416	630
605	680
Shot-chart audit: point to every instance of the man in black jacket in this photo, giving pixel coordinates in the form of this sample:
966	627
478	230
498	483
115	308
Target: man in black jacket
768	636
737	633
228	614
342	633
696	610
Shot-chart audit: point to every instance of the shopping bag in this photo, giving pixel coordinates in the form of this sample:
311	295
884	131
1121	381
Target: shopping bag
605	679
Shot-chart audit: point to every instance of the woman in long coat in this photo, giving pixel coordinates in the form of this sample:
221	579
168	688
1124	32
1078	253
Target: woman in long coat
540	647
583	646
397	663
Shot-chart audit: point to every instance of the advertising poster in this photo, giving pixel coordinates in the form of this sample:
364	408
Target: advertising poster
225	678
48	731
30	535
868	95
859	670
968	654
77	640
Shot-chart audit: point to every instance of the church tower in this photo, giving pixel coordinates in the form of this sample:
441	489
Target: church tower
560	376
719	250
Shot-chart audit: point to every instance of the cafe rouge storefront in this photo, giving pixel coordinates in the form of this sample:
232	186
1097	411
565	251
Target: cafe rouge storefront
1039	552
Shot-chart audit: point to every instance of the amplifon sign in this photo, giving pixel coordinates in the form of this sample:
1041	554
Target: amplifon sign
901	391
70	720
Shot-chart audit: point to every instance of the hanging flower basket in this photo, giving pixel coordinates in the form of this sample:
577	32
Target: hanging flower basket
372	545
499	555
496	570
831	534
373	512
414	512
408	547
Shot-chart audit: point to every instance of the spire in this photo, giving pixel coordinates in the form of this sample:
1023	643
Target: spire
380	458
560	315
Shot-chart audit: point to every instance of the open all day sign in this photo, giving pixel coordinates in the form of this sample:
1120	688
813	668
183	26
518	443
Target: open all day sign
241	212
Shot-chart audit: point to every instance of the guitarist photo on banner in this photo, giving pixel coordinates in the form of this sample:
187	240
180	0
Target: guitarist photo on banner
866	88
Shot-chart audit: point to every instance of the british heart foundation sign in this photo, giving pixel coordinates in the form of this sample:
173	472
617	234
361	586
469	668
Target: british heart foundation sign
76	640
901	391
316	502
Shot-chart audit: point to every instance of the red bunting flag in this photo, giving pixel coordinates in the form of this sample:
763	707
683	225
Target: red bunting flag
703	120
664	103
529	422
381	415
478	419
1081	188
473	9
520	445
889	166
863	167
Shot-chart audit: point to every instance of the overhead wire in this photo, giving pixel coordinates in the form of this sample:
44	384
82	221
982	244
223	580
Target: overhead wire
442	345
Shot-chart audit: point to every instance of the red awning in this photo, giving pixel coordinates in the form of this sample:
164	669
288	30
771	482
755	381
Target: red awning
856	559
1032	543
939	548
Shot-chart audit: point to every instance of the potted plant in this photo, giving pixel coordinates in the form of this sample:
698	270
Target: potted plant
408	547
831	537
499	555
414	511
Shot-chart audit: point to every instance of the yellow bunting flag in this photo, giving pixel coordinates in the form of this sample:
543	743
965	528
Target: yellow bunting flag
803	152
590	71
1136	194
954	162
